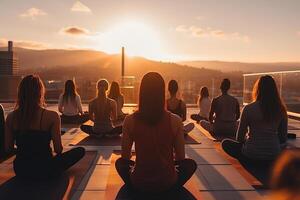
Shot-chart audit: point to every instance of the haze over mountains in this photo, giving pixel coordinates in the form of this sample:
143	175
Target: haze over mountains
243	67
89	63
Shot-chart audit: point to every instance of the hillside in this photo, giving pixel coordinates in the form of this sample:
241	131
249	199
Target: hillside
58	64
243	67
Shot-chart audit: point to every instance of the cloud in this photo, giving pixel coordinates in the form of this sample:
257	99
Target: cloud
27	44
33	13
196	31
75	31
80	7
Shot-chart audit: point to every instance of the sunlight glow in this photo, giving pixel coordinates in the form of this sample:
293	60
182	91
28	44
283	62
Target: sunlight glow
137	38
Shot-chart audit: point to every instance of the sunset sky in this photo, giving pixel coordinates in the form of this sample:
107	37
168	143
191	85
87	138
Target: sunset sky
169	30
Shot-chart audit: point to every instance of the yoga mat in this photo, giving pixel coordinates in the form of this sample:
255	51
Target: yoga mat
60	188
116	189
83	139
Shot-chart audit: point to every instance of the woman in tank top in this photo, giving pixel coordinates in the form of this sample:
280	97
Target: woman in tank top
102	111
69	104
177	106
159	143
31	128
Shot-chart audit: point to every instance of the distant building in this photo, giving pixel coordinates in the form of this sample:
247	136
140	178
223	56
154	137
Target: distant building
9	74
9	64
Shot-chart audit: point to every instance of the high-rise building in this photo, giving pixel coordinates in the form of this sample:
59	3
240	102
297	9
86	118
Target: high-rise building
9	64
9	74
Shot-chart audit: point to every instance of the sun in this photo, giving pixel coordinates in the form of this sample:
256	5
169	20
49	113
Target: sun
138	39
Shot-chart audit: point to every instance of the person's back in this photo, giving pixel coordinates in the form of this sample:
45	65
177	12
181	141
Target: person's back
225	108
204	106
154	169
70	108
263	141
102	110
33	143
159	143
31	127
177	106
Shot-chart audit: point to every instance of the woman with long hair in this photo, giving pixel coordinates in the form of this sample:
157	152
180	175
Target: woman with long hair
266	120
102	110
157	135
115	94
69	104
204	104
177	106
31	128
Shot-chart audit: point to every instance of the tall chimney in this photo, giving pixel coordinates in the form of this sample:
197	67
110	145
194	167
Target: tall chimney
10	46
123	62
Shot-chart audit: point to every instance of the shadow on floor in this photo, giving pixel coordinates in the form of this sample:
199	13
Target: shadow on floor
180	194
16	188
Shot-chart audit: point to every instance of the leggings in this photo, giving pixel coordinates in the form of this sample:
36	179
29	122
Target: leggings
89	130
75	119
185	170
198	117
48	168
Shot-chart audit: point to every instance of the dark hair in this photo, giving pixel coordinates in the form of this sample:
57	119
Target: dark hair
114	90
70	91
265	91
203	93
225	85
102	87
31	93
173	87
151	99
286	171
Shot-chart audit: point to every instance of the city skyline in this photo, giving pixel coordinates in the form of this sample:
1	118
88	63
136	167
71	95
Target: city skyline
235	30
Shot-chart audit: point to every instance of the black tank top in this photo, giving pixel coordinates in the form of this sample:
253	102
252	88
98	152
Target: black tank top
33	144
178	110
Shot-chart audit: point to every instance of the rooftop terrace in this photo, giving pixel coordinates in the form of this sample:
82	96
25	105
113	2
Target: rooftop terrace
218	176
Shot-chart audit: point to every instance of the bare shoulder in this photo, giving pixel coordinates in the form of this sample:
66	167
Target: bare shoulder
175	119
51	115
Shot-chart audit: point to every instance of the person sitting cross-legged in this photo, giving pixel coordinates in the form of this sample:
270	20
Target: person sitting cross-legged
31	128
224	113
160	163
102	111
204	103
69	104
263	128
177	106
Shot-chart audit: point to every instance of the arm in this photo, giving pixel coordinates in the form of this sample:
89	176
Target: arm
243	127
127	141
183	107
79	105
282	130
55	133
212	110
113	114
179	138
60	104
8	140
238	112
